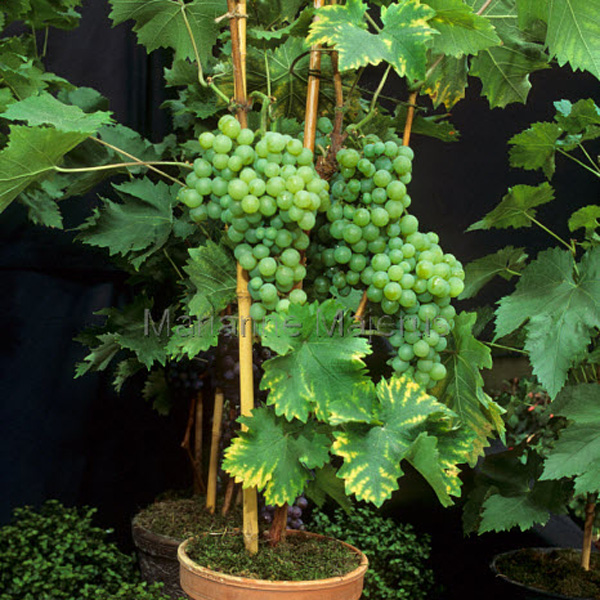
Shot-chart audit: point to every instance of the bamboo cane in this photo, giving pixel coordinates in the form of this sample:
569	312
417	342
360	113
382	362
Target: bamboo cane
247	399
312	93
211	493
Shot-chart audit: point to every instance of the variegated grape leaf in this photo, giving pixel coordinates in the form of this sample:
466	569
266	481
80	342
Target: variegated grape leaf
504	263
276	456
574	34
517	208
576	453
162	24
461	30
372	453
402	41
462	389
211	269
136	227
447	83
504	70
320	368
535	148
563	310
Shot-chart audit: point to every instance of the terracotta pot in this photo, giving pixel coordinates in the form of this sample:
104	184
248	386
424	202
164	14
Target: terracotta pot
157	555
200	583
519	591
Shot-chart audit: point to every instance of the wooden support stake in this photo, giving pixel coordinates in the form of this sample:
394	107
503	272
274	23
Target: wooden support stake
239	80
211	493
247	399
312	94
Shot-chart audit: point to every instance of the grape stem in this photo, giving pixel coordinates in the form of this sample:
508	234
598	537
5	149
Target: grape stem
373	107
121	165
586	154
484	7
138	160
168	257
570	247
510	348
579	162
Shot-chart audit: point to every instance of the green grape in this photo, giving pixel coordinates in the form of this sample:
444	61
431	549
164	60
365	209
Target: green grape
245	137
206	140
380	217
191	198
267	266
298	296
438	372
342	255
290	257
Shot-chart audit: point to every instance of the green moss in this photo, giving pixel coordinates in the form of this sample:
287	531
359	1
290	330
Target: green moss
558	571
296	559
183	518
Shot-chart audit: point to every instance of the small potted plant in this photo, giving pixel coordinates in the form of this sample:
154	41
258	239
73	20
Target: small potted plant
553	316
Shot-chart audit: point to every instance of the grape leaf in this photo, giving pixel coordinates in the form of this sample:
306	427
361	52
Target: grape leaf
162	24
372	453
289	8
517	208
447	83
531	12
31	154
190	338
461	30
483	270
124	370
401	41
320	367
577	451
44	109
212	272
41	203
138	226
504	70
276	456
586	217
583	117
100	355
156	390
326	483
535	148
574	34
462	389
563	309
435	126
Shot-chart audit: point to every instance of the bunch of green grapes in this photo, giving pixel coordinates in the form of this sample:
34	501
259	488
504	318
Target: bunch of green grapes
368	240
267	192
322	141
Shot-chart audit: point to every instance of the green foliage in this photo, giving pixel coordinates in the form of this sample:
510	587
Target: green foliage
577	452
165	23
398	556
505	263
276	455
560	299
400	42
56	553
320	365
462	389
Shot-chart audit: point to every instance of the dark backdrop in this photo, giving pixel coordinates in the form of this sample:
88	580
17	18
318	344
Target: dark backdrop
75	439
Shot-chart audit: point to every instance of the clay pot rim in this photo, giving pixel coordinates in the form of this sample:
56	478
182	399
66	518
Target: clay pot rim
235	580
544	550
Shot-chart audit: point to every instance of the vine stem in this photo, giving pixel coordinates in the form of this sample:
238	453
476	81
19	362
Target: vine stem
138	160
312	93
412	103
588	529
168	257
586	154
211	492
550	232
579	162
201	78
120	165
372	107
484	7
502	347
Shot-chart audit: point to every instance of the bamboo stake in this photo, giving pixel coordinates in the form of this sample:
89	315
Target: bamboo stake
588	529
312	94
211	493
198	439
247	400
243	11
410	115
238	68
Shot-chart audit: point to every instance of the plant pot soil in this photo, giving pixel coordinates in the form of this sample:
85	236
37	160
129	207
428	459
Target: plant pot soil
551	561
201	583
157	555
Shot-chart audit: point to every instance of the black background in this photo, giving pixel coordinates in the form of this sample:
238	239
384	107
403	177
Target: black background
77	441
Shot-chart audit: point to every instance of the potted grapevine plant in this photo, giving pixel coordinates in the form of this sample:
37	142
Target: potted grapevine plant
293	252
553	316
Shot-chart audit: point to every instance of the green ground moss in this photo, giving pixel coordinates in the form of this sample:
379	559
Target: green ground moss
296	559
558	572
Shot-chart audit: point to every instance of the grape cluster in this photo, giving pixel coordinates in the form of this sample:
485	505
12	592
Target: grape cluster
324	129
369	241
267	193
187	377
294	516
